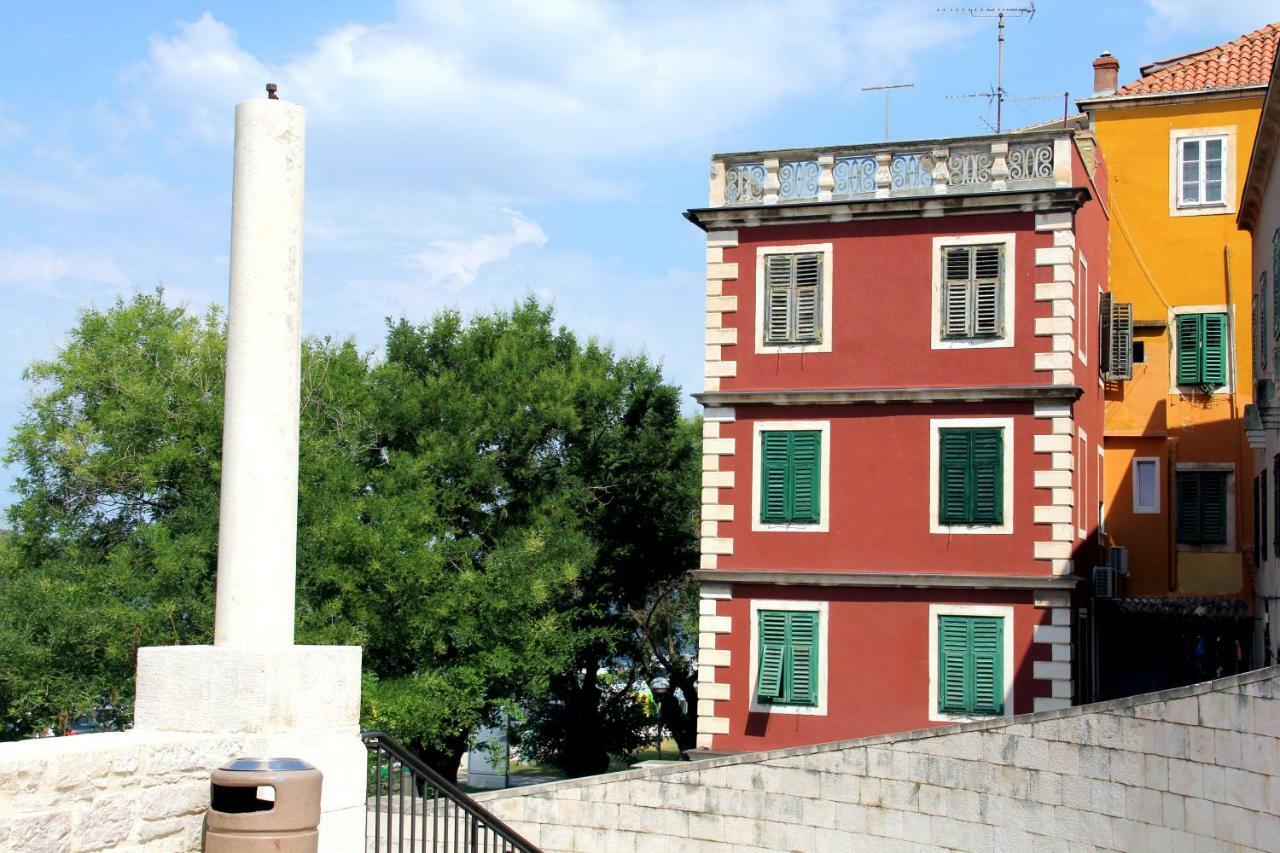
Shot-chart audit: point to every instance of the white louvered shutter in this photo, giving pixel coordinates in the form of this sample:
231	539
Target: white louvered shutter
808	295
955	293
778	290
1120	362
987	263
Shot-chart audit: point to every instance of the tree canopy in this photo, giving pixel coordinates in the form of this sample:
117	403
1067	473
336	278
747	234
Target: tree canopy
478	509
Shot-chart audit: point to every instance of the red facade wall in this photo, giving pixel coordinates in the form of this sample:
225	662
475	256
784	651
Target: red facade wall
878	675
879	495
882	316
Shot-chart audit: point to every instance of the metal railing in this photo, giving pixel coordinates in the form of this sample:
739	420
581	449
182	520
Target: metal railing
411	807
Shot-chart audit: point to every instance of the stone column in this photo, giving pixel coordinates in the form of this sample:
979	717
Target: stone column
253	689
258	519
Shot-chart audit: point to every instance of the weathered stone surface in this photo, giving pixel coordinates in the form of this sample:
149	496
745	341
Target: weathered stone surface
1196	768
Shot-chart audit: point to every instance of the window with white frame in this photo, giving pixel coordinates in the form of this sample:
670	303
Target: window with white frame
970	662
1082	480
1201	170
1146	484
973	292
1102	502
790	485
788	657
1201	166
794	298
1082	310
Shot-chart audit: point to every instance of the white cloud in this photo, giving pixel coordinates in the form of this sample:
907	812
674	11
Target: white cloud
533	96
39	266
1237	17
454	264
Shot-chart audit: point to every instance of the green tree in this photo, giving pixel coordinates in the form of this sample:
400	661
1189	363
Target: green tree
457	504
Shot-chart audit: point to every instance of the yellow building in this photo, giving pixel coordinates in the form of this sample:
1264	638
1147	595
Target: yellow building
1178	490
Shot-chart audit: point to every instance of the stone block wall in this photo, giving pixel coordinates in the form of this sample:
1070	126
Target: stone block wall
1195	769
113	791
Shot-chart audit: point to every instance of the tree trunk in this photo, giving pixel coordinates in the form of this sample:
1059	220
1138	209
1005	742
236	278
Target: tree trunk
584	749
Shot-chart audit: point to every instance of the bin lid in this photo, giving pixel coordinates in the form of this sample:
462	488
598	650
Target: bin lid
267	764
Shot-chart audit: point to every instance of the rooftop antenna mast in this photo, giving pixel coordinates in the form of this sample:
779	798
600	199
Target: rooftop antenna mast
999	13
887	88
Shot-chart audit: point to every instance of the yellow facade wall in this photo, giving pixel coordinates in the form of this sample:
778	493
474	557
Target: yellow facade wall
1161	261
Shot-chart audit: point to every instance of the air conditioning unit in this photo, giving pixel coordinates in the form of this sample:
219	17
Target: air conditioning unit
1106	582
1118	559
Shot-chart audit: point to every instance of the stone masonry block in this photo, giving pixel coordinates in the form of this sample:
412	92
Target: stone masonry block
1053	255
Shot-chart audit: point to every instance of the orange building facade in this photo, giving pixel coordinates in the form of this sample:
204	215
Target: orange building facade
1178	489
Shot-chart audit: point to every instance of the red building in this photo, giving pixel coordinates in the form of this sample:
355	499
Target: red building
902	436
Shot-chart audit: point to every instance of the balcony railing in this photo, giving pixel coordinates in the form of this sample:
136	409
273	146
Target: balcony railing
949	166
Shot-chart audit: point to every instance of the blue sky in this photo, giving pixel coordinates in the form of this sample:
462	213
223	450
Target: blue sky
467	152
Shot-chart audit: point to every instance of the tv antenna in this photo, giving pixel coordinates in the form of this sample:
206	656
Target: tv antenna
887	88
999	13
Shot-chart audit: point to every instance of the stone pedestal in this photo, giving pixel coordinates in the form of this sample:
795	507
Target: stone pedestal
296	701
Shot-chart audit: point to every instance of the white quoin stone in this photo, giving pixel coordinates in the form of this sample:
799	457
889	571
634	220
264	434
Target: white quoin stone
257	533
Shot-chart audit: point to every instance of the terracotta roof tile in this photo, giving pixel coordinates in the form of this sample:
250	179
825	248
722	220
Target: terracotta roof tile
1245	61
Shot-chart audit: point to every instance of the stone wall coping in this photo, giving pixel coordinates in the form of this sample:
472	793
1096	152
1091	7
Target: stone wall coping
33	749
1127	702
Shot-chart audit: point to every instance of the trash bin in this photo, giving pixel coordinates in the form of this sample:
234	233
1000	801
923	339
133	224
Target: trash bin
263	804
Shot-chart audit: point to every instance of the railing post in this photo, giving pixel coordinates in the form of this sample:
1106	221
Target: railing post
941	170
826	177
771	183
717	184
884	179
999	165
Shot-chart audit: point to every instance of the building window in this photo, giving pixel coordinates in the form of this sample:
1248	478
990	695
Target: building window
1139	352
1200	349
787	658
1202	507
1201	171
1275	283
791	477
1082	310
793	298
1262	511
970	653
971	292
971	669
1146	485
792	470
1275	503
1082	480
970	476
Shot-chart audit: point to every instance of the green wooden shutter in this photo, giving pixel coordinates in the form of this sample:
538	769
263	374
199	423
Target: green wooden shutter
802	672
779	287
953	662
1213	507
806	477
1262	511
954	494
1262	322
986	654
1213	350
987	466
1275	503
1188	349
1275	282
1188	487
773	645
775	476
